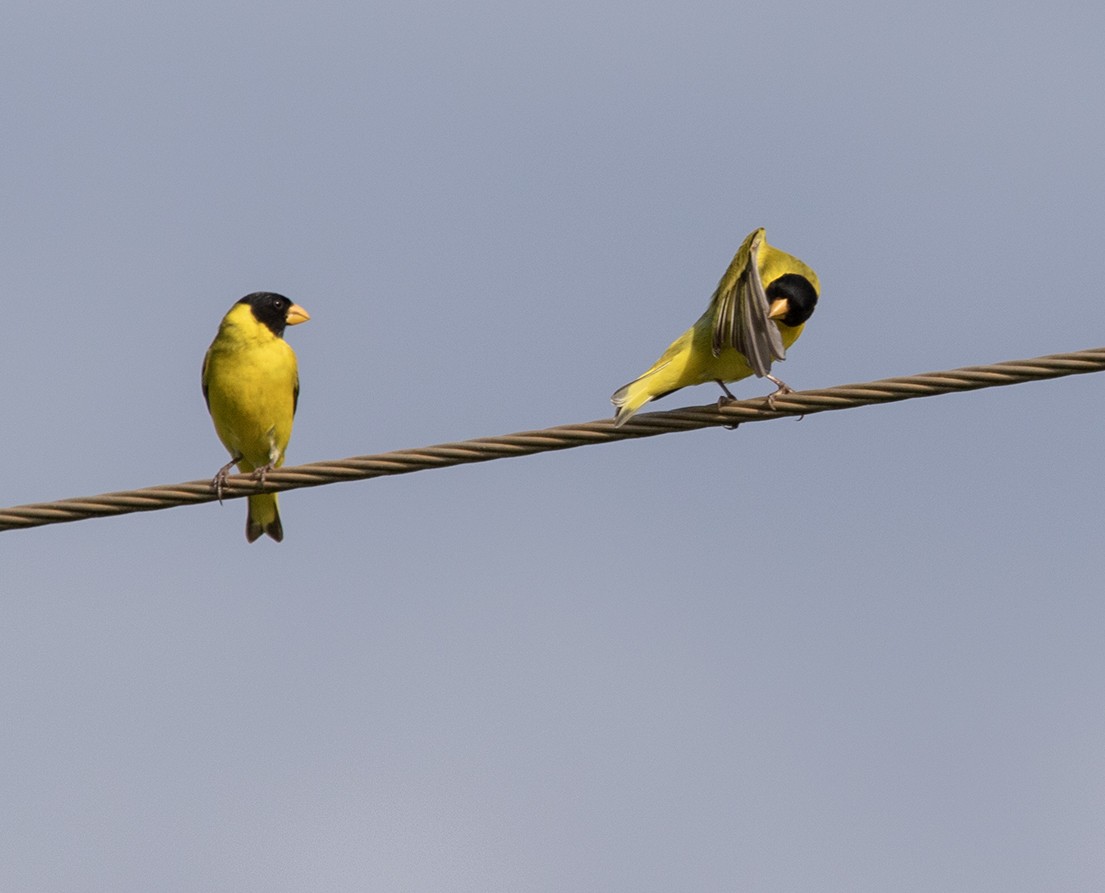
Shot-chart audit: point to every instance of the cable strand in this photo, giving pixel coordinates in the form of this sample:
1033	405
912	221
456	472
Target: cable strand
485	449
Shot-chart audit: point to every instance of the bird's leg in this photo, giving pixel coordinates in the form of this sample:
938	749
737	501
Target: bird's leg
729	397
725	400
218	482
274	457
781	387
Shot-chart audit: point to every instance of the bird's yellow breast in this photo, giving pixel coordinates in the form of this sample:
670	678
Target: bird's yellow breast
251	378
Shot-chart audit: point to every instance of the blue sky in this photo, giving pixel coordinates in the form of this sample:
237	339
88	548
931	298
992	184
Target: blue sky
860	652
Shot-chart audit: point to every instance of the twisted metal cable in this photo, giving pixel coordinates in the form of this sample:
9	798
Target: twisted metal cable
484	449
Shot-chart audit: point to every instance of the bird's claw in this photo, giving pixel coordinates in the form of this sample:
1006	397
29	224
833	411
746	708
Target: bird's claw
218	482
260	473
724	400
781	387
771	397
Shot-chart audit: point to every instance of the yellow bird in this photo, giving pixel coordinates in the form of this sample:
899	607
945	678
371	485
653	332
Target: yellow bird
251	385
759	309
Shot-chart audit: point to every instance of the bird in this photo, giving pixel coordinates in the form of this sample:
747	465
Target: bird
759	309
251	387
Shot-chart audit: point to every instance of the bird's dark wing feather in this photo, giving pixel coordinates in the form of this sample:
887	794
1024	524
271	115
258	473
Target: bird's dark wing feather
741	320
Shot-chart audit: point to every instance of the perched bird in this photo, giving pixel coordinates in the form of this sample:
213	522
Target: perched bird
757	312
251	385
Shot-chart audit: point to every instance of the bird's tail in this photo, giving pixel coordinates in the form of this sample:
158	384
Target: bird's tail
629	398
263	517
659	380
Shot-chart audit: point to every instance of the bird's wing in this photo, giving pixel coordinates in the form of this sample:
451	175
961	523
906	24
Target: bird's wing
741	318
203	379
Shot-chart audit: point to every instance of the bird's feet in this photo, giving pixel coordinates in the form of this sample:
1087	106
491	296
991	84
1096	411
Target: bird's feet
259	473
218	482
724	400
781	387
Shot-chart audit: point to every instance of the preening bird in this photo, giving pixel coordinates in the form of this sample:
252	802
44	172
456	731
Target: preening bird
251	385
759	309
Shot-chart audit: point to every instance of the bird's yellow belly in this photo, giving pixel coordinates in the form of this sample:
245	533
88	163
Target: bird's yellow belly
253	409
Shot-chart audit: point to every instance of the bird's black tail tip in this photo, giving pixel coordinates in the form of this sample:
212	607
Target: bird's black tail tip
274	529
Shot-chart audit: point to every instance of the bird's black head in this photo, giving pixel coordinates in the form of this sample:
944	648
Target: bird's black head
800	295
269	309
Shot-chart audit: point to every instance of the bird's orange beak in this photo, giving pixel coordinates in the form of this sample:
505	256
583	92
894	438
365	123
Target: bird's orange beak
778	309
296	315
